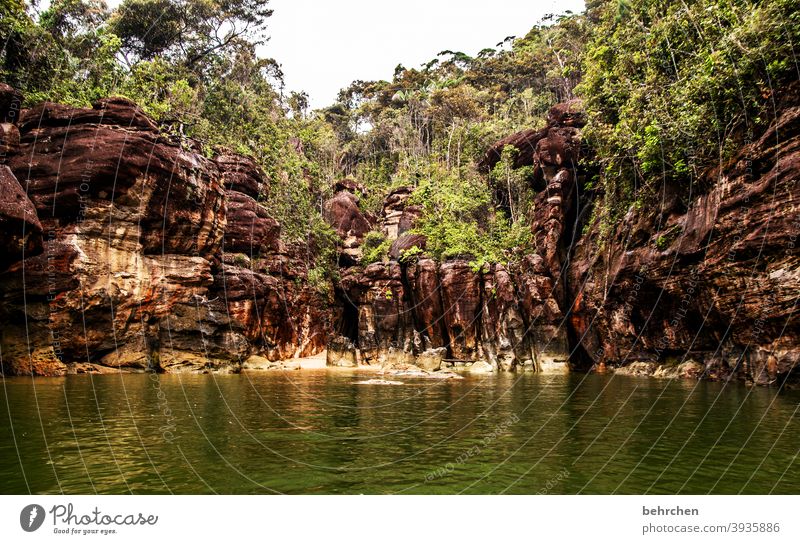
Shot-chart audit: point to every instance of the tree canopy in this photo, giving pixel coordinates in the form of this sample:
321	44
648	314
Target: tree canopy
670	89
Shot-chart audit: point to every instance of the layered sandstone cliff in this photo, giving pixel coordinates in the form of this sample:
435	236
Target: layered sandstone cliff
502	317
704	277
124	248
699	283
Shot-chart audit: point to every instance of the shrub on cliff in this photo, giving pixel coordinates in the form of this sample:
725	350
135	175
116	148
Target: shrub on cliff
375	247
672	88
459	219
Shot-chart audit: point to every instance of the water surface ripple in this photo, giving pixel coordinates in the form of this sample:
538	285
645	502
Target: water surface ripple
322	432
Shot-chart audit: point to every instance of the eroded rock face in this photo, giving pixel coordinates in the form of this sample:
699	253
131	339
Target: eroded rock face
131	223
553	144
150	255
714	280
383	319
242	174
19	223
398	216
273	311
426	302
343	214
396	219
683	288
250	229
506	318
505	330
141	253
431	312
75	161
461	300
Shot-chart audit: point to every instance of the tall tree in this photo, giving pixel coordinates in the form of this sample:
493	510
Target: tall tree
188	31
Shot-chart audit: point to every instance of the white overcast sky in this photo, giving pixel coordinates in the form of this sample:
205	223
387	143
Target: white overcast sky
324	45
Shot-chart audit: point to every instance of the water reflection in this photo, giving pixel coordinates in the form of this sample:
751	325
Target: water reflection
320	432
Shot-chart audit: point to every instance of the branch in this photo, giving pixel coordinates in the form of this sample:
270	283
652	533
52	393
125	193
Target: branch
219	45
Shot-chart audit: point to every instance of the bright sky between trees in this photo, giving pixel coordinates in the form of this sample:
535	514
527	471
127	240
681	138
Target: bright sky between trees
325	45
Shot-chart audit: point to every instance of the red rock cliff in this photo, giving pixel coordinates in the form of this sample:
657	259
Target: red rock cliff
710	278
140	252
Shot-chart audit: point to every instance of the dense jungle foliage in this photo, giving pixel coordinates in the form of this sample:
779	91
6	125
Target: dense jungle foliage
670	89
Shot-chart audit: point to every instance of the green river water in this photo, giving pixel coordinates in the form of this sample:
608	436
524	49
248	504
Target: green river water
321	432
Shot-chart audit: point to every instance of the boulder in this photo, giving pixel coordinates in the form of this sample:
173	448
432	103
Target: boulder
349	185
481	367
406	242
687	370
9	141
431	360
341	352
343	214
255	362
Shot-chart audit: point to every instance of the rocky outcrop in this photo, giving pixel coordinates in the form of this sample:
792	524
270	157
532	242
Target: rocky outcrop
450	312
19	223
273	306
398	216
704	286
383	320
241	174
124	249
552	144
687	370
350	185
130	224
344	215
150	255
249	230
341	352
505	317
351	224
405	243
711	277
